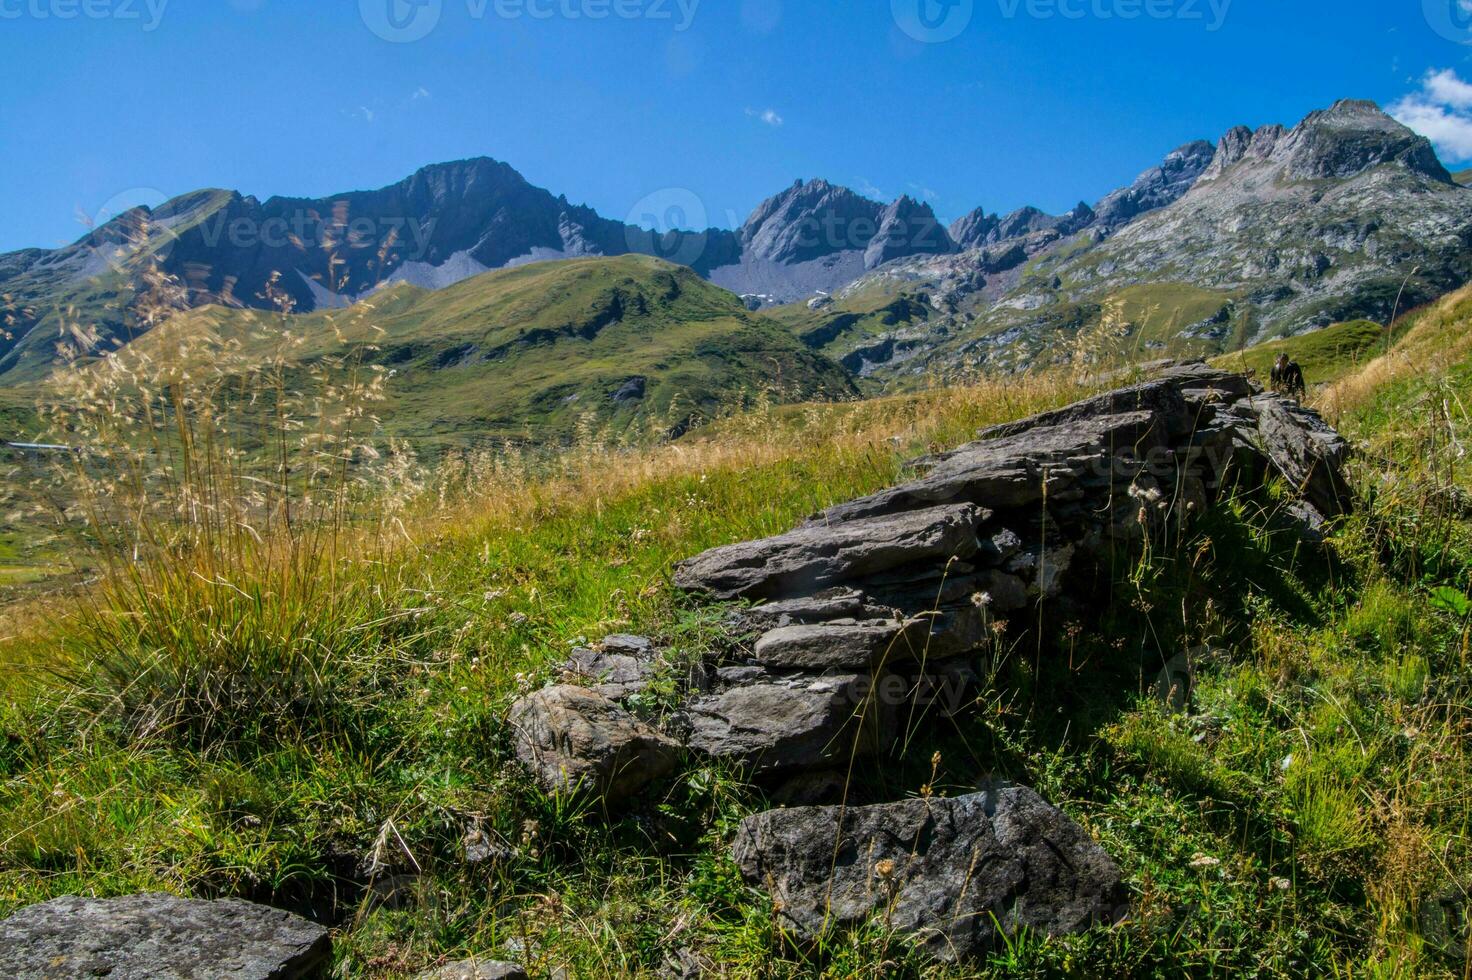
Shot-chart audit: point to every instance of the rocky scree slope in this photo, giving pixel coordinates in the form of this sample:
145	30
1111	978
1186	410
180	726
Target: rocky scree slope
848	622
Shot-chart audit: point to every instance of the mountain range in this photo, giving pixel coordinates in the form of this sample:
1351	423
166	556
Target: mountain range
1263	233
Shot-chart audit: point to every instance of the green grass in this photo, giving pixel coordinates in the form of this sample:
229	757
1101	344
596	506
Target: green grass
1158	313
1304	817
531	354
851	321
1325	355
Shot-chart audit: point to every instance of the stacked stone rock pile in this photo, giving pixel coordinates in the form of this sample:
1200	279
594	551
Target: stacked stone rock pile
855	612
906	579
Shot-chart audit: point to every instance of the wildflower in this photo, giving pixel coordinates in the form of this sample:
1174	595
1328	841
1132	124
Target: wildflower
884	869
1202	862
1281	884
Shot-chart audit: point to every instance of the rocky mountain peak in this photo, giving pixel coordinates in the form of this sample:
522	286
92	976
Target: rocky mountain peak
1157	187
1345	140
973	229
907	227
808	221
1351	137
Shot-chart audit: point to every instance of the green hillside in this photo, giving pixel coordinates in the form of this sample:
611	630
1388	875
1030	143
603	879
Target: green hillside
843	328
628	345
1324	355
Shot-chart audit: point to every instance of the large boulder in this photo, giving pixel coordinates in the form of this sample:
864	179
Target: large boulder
1305	450
821	555
951	873
160	937
576	740
1019	470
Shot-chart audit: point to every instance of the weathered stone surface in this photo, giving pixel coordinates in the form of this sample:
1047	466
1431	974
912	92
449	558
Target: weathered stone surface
619	667
788	723
1005	592
1305	450
1156	405
1014	472
819	555
842	644
575	739
159	937
830	604
949	872
474	969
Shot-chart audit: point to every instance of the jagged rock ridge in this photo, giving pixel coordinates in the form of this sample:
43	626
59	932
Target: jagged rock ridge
1272	232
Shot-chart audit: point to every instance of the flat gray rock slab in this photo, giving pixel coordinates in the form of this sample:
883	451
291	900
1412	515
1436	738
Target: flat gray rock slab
159	937
950	873
787	723
850	645
819	555
576	740
1015	471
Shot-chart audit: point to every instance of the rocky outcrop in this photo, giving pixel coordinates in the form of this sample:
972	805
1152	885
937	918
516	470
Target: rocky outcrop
891	586
1157	187
906	228
872	608
952	873
575	740
617	668
160	937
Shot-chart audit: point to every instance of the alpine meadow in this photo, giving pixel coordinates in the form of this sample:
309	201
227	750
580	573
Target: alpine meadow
450	581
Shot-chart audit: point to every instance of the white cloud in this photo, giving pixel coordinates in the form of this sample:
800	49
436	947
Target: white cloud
1446	87
420	93
866	187
924	193
769	116
1441	111
364	113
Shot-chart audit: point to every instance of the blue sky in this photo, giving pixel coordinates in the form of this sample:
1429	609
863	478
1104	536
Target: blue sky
1031	102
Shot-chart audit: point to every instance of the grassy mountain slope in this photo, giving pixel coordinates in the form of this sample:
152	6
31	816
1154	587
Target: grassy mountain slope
846	327
632	344
78	300
1305	816
1325	355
